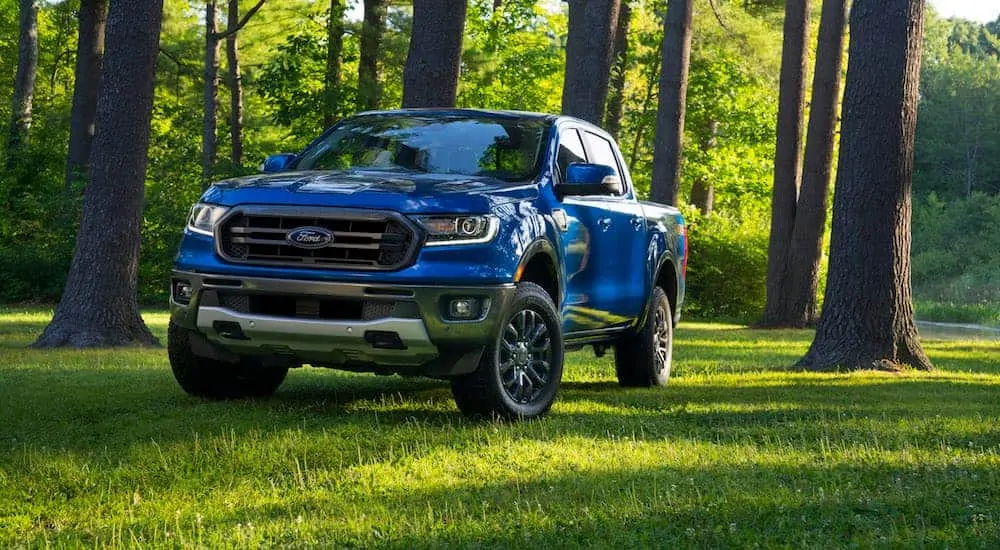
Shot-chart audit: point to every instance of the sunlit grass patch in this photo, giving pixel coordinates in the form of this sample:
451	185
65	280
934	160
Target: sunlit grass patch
100	448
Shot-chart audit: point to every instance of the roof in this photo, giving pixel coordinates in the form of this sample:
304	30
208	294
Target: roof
490	113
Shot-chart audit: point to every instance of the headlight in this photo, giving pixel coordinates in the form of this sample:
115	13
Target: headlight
204	217
442	230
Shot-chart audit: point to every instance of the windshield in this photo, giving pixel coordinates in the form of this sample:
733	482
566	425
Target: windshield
507	149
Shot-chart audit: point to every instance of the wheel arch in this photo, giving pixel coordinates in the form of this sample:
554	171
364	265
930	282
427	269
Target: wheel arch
664	277
538	265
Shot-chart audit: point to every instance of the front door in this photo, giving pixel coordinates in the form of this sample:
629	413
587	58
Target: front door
604	245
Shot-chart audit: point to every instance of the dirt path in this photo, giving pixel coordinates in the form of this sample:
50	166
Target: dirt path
930	329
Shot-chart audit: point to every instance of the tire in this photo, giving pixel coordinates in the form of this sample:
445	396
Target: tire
214	379
642	359
519	373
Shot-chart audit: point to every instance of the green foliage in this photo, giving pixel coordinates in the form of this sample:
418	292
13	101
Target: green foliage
726	267
513	57
958	130
955	255
101	449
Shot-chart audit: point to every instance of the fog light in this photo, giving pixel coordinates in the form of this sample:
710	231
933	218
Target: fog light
183	291
463	308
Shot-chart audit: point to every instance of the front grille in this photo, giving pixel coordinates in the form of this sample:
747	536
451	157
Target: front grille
360	240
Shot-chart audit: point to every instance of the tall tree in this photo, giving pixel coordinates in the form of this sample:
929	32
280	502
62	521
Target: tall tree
372	27
810	212
210	123
430	78
334	52
668	145
99	305
592	25
619	56
703	189
787	158
89	50
867	320
235	83
24	81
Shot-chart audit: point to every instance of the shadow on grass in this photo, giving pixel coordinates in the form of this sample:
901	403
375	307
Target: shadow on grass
86	411
711	506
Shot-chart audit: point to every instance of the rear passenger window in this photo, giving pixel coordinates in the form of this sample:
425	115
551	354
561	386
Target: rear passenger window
602	152
570	150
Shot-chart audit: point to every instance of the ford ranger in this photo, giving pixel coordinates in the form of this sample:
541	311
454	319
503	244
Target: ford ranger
467	245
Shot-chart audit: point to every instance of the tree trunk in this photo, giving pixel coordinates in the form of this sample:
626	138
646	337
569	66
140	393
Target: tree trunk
669	142
334	50
89	50
235	83
99	306
430	78
703	195
619	56
787	159
867	319
209	127
810	212
369	87
592	25
24	81
703	189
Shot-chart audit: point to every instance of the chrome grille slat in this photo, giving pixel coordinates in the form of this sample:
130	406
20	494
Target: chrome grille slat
271	259
362	239
242	230
269	242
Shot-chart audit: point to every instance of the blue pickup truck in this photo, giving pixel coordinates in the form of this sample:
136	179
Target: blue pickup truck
467	245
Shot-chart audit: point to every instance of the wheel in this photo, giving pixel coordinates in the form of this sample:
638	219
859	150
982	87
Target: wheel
642	359
216	379
520	371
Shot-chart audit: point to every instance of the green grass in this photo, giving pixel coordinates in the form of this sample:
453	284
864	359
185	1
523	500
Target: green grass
100	448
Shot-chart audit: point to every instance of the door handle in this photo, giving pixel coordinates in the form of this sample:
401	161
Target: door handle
605	223
637	222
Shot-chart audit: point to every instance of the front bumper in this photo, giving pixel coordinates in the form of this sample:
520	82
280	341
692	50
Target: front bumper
409	334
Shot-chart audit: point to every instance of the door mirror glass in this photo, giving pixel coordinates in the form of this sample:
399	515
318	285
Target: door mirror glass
278	163
591	179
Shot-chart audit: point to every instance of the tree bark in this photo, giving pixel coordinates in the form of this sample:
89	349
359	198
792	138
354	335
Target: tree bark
703	189
787	159
24	81
810	211
209	126
430	78
98	306
334	51
669	142
235	83
369	87
867	320
619	56
592	25
89	49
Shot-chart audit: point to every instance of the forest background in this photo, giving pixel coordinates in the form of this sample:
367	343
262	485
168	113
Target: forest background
513	58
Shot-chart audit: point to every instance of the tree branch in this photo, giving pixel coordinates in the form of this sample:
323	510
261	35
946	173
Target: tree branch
180	63
242	23
718	16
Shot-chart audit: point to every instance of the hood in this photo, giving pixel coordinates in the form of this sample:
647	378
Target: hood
405	192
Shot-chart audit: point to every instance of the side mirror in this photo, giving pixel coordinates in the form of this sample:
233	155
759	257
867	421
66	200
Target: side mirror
278	163
591	179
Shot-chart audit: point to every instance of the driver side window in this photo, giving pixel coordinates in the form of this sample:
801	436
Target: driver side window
570	150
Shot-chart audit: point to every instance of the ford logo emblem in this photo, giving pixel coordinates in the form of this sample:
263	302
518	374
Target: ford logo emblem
309	237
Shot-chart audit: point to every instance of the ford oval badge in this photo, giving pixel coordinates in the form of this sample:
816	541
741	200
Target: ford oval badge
309	237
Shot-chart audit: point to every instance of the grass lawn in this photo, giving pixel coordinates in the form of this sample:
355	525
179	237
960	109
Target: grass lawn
101	448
